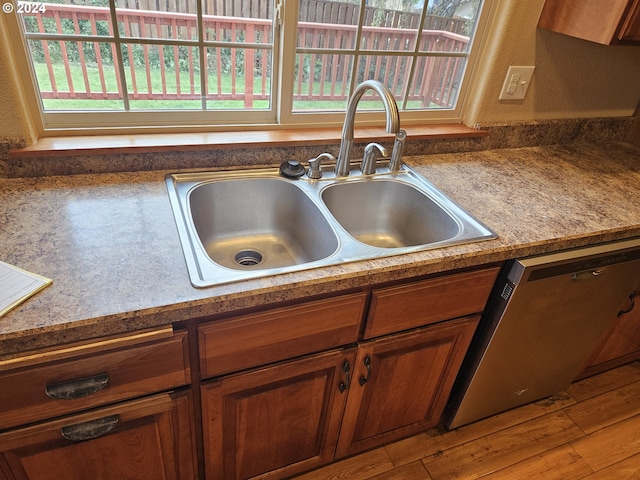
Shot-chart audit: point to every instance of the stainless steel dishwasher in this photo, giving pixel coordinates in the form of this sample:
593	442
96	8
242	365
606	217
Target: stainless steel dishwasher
546	316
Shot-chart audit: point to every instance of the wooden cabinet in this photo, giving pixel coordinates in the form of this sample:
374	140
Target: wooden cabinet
401	307
247	341
602	21
277	421
50	427
622	343
284	419
293	388
401	384
147	438
72	379
276	392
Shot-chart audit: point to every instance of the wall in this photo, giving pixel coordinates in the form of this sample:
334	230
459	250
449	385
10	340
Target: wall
15	126
573	78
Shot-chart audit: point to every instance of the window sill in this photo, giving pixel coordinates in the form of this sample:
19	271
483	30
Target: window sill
150	143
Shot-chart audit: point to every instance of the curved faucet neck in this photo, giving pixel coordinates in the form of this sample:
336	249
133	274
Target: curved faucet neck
392	114
390	107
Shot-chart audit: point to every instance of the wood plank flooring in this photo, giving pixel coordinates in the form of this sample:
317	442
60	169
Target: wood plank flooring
591	431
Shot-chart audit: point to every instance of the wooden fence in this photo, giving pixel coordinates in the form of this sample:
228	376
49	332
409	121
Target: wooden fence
319	76
317	11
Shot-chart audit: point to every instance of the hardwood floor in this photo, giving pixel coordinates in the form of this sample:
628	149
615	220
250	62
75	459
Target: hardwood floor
591	431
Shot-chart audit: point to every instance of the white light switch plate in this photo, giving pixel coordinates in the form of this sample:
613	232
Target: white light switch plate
516	83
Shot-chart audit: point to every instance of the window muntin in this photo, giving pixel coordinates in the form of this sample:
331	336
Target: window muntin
423	60
230	62
154	60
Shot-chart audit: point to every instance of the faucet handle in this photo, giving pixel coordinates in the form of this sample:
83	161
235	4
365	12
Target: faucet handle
371	152
396	154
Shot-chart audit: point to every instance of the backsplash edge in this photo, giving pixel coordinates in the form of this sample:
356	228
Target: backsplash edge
501	135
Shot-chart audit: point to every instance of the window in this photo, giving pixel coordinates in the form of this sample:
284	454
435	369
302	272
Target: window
207	62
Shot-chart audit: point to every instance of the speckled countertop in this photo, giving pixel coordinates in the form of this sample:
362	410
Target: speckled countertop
111	246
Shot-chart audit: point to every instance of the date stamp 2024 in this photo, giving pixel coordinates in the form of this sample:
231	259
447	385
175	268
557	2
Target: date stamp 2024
24	7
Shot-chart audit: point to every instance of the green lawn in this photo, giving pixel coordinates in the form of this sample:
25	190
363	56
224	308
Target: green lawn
109	75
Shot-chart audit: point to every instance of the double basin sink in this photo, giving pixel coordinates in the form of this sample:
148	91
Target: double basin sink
239	225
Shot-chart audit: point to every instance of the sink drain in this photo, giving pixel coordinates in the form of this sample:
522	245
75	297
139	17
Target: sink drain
248	258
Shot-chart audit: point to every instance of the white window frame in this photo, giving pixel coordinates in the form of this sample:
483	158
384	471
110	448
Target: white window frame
280	117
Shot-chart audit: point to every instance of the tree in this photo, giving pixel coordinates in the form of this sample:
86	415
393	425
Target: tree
447	8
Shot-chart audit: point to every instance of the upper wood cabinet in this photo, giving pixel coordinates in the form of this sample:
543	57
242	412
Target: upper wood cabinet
602	21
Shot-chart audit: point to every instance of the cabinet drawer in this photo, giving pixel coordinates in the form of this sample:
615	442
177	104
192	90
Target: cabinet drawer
257	339
149	438
99	373
394	309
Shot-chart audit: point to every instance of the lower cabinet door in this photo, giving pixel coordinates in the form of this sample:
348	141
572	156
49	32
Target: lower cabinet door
622	343
150	438
401	384
276	421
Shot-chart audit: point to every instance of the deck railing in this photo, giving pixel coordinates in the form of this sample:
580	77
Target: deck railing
317	11
232	73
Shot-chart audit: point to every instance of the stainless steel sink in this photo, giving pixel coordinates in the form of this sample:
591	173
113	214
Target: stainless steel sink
387	213
238	225
241	225
259	223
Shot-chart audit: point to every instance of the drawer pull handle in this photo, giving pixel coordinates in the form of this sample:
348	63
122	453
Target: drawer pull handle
80	388
90	430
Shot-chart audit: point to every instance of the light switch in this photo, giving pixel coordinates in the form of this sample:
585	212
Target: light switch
516	83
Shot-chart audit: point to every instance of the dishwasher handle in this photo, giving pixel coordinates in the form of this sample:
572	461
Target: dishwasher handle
588	274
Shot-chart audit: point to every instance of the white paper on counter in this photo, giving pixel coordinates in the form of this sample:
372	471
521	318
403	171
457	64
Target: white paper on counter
16	285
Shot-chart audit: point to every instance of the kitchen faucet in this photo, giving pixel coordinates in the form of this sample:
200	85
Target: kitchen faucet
393	126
